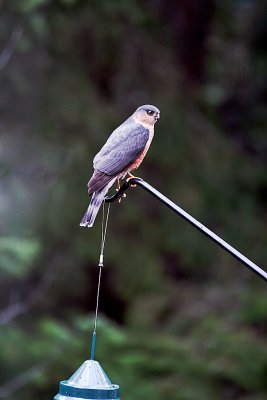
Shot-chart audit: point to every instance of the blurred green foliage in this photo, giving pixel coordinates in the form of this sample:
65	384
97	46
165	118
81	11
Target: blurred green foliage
179	318
17	255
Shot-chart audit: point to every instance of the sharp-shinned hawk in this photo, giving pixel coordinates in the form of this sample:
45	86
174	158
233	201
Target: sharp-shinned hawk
124	151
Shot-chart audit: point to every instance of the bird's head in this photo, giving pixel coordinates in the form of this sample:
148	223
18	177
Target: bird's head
147	114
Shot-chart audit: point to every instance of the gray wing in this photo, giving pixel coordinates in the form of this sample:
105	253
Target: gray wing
122	148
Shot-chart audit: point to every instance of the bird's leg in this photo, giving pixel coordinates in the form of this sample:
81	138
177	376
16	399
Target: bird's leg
118	188
130	177
119	185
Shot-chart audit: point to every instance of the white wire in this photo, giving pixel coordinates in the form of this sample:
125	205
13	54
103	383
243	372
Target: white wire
101	259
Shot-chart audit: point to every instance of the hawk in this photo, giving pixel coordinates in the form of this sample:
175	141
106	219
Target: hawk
123	152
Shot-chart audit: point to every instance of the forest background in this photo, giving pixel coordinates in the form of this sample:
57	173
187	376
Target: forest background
179	318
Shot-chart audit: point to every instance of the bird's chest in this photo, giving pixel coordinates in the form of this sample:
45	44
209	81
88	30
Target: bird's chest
138	161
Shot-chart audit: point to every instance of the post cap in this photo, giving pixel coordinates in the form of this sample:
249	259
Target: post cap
88	382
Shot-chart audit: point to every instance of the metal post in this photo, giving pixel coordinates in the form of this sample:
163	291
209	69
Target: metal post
93	344
174	207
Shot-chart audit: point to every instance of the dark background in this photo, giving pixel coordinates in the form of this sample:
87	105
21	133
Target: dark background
180	319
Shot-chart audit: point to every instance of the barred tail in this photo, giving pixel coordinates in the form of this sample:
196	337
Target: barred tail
95	203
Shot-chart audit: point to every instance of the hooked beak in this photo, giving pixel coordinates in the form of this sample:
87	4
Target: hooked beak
157	116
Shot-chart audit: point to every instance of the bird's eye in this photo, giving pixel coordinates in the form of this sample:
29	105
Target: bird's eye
149	112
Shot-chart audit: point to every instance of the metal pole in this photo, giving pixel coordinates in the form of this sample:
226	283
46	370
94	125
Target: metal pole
178	210
93	343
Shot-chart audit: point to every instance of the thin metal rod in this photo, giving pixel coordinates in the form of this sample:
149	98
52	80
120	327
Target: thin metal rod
178	210
93	344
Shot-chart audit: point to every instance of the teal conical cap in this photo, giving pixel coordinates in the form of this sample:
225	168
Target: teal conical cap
88	382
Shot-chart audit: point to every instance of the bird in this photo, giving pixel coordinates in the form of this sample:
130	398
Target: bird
123	152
